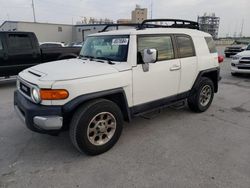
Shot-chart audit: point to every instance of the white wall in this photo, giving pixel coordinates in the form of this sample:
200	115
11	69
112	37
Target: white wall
48	32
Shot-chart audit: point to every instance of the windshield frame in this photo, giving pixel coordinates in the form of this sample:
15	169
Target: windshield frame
105	58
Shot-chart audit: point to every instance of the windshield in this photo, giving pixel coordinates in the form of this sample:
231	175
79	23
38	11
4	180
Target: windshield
248	47
113	48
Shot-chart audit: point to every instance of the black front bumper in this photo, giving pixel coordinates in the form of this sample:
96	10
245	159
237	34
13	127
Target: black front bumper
28	110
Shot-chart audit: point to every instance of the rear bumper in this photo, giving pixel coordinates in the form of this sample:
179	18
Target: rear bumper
38	118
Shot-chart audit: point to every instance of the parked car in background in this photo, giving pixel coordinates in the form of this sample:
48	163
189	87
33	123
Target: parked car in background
51	44
75	44
20	50
233	50
241	63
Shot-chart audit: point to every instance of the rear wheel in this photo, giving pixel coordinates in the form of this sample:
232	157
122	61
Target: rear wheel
96	126
202	96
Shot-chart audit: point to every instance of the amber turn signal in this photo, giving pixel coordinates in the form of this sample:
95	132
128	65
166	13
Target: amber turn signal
53	94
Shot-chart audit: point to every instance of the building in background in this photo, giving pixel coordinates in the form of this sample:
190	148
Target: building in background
209	23
124	21
139	14
45	32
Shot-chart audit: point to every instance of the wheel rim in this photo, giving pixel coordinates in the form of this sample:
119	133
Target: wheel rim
101	128
205	95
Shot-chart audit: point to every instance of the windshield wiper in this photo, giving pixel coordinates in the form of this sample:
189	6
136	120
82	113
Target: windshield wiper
87	57
109	60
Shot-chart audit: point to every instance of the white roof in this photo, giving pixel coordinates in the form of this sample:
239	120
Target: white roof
191	32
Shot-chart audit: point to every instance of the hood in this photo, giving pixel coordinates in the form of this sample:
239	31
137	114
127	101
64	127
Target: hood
70	69
245	53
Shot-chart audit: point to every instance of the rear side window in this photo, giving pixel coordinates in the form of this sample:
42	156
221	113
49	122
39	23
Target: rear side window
163	44
185	46
211	45
19	42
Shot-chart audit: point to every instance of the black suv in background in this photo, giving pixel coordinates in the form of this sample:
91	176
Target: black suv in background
233	50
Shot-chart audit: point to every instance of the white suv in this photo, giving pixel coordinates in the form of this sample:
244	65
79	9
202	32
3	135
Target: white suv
143	69
241	62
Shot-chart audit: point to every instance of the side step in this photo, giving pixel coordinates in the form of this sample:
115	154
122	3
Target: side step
155	112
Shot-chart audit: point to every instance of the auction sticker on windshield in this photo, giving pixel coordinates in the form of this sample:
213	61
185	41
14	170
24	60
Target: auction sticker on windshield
120	41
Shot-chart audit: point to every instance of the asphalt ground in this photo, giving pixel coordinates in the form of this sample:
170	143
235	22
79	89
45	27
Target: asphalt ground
176	148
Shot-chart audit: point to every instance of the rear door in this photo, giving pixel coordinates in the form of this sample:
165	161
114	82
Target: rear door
22	51
188	59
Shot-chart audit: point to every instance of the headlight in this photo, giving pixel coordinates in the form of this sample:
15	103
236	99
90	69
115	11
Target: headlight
236	57
35	95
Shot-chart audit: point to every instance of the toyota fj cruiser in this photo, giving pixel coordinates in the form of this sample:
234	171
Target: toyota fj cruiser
138	70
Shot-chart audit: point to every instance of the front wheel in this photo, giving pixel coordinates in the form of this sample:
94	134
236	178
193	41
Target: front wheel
202	96
96	126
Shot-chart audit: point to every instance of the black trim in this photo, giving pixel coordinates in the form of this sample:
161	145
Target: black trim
164	102
73	104
30	110
215	71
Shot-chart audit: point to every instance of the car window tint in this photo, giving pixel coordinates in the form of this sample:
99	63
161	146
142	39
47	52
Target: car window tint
185	45
19	42
1	44
163	44
211	45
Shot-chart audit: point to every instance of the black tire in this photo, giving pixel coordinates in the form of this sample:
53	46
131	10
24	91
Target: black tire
81	121
194	102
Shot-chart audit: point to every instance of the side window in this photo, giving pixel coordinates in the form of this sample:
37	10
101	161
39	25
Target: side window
1	44
19	42
163	44
185	46
211	45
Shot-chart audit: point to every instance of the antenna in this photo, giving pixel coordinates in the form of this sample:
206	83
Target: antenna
33	8
241	31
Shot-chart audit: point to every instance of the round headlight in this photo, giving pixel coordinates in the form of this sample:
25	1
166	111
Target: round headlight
36	95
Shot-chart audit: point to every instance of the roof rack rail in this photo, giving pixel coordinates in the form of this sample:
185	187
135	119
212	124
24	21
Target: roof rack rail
170	23
117	26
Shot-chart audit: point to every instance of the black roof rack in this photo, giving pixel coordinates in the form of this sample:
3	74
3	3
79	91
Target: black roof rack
135	25
170	23
117	26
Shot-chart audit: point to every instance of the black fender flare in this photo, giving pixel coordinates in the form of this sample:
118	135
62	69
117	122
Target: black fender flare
119	94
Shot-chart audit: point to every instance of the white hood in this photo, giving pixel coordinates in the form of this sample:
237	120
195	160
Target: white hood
73	69
245	53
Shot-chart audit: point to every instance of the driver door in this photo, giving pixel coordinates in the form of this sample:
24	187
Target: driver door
153	88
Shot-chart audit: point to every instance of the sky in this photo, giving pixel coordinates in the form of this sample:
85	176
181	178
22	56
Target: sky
232	13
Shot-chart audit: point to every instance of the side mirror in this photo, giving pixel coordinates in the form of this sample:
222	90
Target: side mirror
149	55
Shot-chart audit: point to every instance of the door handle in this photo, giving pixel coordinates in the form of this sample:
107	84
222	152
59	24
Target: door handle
175	67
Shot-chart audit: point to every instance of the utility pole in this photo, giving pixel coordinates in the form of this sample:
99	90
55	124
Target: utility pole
34	13
241	31
151	14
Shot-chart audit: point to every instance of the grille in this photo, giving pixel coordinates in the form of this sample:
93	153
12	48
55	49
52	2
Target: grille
25	89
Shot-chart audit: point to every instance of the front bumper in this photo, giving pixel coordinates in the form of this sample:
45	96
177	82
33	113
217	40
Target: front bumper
38	118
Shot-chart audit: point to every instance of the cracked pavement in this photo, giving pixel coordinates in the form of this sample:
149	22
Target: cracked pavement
176	148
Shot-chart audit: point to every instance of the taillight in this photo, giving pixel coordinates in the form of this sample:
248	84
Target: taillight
220	58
